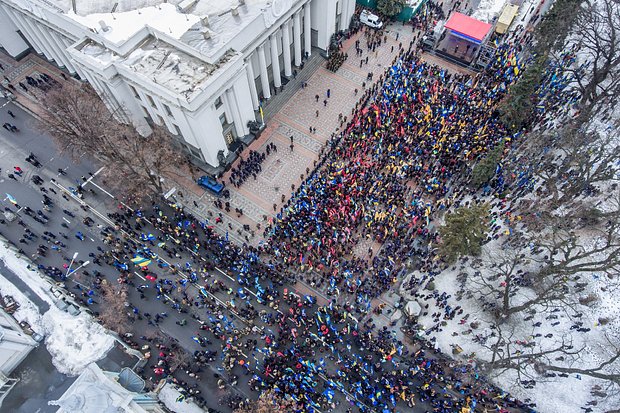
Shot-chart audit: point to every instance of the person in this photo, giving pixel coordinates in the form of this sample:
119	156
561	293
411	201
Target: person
11	114
79	236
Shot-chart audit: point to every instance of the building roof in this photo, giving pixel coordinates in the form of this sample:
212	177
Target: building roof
468	27
198	7
171	68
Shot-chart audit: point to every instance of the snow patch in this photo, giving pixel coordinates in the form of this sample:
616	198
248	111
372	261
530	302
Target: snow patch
74	342
169	395
488	10
121	26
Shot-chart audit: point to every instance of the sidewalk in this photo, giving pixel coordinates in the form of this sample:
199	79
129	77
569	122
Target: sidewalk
14	72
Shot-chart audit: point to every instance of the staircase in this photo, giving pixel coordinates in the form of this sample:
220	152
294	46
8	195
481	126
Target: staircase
7	384
278	101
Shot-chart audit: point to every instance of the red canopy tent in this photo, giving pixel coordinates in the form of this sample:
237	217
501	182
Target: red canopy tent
467	27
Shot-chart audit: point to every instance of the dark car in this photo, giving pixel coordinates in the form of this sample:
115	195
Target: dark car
211	184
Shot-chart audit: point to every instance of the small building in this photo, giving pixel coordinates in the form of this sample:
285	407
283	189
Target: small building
99	391
463	38
505	18
199	68
15	345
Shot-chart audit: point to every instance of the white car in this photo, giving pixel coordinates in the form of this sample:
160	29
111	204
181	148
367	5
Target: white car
370	19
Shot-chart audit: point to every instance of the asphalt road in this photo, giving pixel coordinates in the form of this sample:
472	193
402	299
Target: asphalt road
15	148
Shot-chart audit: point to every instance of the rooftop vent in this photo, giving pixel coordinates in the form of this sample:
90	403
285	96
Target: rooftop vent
205	21
104	26
234	11
185	5
206	34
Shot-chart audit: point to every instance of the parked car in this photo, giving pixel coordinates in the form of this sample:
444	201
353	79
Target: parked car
370	19
211	184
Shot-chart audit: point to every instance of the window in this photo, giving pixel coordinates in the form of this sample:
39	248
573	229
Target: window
135	92
160	120
177	131
168	111
223	119
151	101
218	102
147	115
195	152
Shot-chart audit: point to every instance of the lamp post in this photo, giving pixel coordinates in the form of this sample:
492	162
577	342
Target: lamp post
75	254
84	264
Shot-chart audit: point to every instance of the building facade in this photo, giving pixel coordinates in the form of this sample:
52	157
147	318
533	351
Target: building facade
198	67
15	345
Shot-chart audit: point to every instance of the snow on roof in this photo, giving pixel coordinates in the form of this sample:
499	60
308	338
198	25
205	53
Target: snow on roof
88	7
121	26
104	55
222	29
488	10
171	68
169	396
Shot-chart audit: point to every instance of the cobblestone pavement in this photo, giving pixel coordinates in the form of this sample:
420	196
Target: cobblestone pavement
14	72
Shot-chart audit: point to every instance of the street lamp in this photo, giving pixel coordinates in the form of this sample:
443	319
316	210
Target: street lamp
75	254
84	264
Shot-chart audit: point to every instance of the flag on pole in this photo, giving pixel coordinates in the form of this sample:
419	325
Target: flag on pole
11	199
141	261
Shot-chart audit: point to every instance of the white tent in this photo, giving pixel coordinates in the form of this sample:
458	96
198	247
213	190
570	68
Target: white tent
413	309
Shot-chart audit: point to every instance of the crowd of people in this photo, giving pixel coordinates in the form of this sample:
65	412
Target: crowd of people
385	177
380	183
250	167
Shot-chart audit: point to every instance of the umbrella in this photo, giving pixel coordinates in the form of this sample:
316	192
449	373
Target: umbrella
413	308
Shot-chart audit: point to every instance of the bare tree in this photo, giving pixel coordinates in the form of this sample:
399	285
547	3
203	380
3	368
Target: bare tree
177	357
532	361
113	312
268	402
81	123
597	42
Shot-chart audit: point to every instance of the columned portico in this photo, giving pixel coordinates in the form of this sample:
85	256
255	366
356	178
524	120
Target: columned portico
264	77
275	61
250	74
286	47
345	17
297	38
307	29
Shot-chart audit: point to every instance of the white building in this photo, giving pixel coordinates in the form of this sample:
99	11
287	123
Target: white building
199	67
98	391
15	345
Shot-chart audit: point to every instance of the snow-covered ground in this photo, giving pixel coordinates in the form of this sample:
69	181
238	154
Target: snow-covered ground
73	341
488	10
169	396
474	332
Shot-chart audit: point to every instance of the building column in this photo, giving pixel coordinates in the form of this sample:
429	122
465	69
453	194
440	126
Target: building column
234	109
307	30
275	61
63	55
250	74
344	15
264	77
297	38
35	36
286	47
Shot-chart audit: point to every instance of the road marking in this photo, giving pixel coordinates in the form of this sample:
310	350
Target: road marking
66	220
